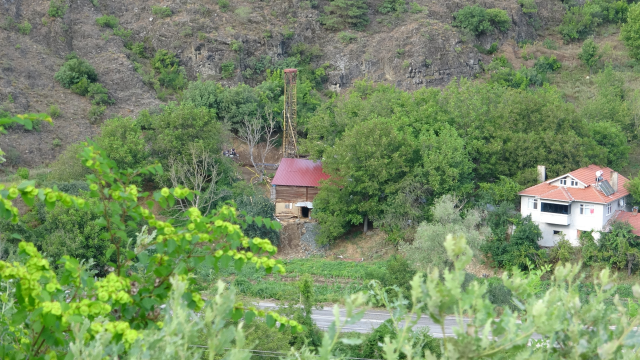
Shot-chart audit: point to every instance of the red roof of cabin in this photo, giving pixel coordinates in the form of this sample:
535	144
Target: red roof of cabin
299	172
585	175
629	217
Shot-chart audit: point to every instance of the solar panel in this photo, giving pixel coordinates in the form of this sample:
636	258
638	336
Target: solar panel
606	188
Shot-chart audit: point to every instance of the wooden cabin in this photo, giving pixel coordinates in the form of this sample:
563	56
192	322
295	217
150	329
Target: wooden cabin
295	185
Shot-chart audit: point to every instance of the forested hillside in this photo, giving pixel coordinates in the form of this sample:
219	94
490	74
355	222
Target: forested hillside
138	145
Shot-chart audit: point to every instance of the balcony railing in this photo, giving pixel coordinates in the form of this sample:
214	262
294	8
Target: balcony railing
553	218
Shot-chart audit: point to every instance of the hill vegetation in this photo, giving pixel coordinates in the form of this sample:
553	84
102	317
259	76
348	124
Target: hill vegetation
429	118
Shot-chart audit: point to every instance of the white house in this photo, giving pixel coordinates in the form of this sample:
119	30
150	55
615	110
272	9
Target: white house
582	200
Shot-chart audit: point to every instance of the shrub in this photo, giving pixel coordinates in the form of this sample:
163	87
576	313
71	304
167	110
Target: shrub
109	21
550	44
577	24
630	32
224	5
138	49
23	173
186	32
499	19
67	167
528	6
589	54
562	252
479	20
227	69
342	14
520	250
122	33
491	50
24	28
346	38
98	94
96	112
287	33
170	74
415	8
243	13
75	70
57	8
54	111
161	11
391	6
236	45
254	206
547	64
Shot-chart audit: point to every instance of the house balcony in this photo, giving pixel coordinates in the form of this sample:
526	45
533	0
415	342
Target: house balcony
553	218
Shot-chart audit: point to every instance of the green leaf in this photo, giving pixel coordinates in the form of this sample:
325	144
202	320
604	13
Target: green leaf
18	317
110	251
237	314
249	316
239	263
271	321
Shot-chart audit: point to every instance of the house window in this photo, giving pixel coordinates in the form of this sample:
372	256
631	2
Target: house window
609	208
533	204
574	183
586	209
563	182
288	206
557	232
555	208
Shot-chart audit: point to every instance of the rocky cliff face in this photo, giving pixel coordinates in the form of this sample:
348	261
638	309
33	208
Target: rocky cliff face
410	51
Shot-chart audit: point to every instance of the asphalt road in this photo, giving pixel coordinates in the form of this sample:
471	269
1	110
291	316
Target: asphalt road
372	319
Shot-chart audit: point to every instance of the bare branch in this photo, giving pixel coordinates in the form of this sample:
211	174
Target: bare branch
254	130
197	171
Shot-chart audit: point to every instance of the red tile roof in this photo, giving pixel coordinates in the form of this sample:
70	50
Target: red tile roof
629	217
299	172
591	193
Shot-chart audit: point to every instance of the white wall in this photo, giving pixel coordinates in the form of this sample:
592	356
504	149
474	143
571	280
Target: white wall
585	222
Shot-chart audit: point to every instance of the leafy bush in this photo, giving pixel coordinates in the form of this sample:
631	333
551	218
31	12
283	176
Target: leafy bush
122	33
171	75
393	6
547	64
75	70
520	250
54	111
425	253
23	173
243	13
254	206
346	38
227	69
138	49
67	167
109	21
528	6
630	32
57	8
224	5
550	44
122	140
562	252
479	20
236	45
342	14
186	32
161	11
491	50
96	112
24	28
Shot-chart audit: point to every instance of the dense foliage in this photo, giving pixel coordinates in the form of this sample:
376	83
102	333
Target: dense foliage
479	20
391	153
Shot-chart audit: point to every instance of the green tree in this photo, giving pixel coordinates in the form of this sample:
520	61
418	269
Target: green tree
342	14
122	140
630	32
619	247
590	54
365	166
425	252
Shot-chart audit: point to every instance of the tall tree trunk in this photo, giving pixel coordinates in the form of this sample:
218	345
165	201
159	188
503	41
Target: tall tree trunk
366	223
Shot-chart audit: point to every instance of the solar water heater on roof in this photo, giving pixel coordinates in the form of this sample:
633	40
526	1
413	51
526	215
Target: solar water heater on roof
606	188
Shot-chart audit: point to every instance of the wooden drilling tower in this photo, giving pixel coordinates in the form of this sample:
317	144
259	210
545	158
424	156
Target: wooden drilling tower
290	113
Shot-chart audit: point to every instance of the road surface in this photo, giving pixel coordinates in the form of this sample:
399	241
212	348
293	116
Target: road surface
371	320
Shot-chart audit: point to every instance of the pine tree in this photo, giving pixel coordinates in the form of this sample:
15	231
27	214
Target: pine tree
341	14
